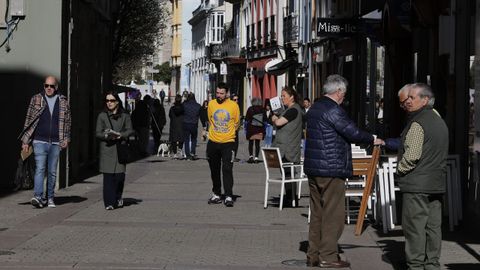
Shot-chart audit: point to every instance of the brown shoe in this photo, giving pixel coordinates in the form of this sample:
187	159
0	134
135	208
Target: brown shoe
334	264
312	263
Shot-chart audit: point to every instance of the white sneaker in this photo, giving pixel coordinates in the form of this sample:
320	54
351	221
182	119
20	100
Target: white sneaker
228	201
37	202
51	203
214	199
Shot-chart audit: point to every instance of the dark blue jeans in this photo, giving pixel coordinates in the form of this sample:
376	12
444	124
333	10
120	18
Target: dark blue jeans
113	188
190	132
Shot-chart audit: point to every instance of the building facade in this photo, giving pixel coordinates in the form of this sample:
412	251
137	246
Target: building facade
264	38
176	58
208	22
73	43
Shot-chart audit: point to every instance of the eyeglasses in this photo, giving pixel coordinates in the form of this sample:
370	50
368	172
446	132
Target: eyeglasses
235	99
110	100
402	102
49	85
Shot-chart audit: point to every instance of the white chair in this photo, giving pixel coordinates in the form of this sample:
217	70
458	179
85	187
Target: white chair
392	168
275	167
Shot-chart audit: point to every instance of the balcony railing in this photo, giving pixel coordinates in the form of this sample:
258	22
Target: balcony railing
215	52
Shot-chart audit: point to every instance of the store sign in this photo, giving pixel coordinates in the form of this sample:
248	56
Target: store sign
328	27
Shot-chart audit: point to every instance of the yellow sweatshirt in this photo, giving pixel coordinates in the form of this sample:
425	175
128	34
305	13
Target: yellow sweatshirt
224	120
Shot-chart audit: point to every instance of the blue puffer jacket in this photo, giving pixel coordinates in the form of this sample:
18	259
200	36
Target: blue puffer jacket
329	134
192	112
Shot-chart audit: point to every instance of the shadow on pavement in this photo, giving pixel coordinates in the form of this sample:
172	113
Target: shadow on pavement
62	200
69	199
131	201
85	182
155	161
394	253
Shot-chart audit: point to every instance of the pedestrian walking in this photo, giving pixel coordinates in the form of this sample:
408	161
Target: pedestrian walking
141	120
113	126
328	161
176	114
224	119
204	119
268	127
422	170
47	128
158	122
162	95
190	126
306	106
255	131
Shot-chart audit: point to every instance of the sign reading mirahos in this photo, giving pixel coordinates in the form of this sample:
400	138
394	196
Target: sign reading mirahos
336	27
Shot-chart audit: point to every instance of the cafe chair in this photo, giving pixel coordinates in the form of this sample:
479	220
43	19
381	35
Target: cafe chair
275	173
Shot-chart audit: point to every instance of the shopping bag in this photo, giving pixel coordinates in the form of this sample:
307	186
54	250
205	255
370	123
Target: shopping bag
24	177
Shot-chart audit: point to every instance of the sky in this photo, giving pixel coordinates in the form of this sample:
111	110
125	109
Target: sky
188	7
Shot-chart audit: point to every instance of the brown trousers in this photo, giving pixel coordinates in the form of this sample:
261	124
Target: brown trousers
327	220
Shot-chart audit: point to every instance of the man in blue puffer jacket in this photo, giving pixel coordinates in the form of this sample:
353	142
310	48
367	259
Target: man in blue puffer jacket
328	161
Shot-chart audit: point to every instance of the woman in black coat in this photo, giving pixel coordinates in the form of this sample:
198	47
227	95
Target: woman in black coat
176	125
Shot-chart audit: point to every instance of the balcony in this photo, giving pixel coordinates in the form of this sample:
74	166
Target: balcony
290	29
214	52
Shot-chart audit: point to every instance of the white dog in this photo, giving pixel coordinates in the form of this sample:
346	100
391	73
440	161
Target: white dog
164	148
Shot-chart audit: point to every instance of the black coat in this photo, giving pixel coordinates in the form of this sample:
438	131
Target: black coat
255	125
176	123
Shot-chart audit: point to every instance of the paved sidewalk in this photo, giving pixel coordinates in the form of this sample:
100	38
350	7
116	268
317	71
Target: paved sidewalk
167	224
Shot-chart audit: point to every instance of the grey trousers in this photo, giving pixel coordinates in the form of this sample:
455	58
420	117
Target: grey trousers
422	227
327	220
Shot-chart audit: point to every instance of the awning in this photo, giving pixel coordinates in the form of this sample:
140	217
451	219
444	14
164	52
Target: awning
278	66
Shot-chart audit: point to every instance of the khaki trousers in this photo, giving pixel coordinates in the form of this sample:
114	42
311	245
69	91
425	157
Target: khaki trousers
327	220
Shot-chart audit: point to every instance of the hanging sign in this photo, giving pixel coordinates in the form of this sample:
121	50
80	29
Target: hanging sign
223	69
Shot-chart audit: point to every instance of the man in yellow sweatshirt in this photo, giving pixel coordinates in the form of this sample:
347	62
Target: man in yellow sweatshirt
224	118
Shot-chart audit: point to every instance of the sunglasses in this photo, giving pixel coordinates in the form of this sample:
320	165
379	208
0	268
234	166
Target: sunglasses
110	100
46	85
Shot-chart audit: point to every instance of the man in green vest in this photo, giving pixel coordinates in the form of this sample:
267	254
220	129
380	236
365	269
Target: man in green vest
422	170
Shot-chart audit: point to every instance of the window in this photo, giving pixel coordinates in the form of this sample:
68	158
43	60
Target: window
216	28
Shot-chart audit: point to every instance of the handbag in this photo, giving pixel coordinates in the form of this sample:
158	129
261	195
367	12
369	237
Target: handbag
123	152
